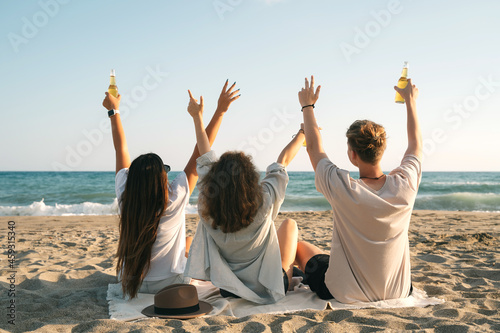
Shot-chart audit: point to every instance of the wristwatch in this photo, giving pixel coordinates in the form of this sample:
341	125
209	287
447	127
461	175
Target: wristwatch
112	112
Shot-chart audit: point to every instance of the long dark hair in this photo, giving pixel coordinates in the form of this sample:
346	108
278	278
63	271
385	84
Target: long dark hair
230	194
142	204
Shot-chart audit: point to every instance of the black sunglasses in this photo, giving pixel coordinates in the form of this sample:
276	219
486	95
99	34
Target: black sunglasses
167	168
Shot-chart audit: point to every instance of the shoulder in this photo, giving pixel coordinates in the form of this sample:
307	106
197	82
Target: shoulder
207	158
120	182
179	187
409	164
121	176
276	176
409	171
276	169
327	170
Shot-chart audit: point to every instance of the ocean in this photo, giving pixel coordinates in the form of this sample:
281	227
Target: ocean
92	193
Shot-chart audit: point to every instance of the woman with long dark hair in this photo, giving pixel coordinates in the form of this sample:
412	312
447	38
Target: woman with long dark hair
236	245
152	248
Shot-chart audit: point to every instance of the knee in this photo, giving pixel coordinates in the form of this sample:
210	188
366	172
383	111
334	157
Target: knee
290	224
301	244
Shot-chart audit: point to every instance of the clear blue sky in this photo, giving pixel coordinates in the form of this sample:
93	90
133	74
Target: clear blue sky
56	56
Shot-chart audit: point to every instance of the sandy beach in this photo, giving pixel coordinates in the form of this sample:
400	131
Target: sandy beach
63	266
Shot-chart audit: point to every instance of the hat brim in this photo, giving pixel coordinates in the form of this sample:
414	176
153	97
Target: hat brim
204	309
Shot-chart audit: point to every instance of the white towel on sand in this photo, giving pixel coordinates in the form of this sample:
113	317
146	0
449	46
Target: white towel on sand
301	298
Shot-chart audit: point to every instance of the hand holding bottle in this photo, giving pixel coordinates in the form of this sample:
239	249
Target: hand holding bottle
111	102
409	93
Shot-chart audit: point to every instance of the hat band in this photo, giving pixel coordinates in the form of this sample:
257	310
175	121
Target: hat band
177	311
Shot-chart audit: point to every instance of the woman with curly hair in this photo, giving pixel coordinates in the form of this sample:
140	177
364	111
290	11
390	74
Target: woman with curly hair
236	245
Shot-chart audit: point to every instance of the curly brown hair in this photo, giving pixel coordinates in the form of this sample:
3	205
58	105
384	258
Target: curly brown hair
367	139
143	202
230	194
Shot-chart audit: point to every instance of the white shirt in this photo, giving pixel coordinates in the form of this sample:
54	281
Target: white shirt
168	252
370	256
246	262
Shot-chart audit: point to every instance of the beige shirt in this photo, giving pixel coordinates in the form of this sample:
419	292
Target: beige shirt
246	262
370	256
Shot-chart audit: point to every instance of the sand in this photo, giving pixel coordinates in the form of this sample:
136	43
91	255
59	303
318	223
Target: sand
64	265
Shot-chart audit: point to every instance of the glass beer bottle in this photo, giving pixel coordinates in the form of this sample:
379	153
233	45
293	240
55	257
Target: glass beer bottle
403	81
112	89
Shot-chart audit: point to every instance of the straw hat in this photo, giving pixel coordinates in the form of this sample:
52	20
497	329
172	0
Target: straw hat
177	301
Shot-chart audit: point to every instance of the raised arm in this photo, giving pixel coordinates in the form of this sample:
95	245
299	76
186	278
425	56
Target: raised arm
288	153
196	111
226	97
119	141
410	94
307	99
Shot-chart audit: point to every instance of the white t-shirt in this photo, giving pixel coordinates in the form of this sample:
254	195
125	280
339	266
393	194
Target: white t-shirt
168	252
370	256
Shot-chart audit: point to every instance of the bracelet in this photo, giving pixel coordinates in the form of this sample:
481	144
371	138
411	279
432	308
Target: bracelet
300	130
306	106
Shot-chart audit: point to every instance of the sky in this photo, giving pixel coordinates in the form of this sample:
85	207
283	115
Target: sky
56	56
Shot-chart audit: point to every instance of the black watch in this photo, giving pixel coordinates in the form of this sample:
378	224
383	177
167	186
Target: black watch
112	112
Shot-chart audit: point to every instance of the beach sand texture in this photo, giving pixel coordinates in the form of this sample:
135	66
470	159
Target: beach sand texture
64	265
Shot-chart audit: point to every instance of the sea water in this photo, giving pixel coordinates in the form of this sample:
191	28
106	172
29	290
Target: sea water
93	193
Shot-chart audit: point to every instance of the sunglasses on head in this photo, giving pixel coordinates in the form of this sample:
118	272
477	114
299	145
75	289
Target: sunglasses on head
166	167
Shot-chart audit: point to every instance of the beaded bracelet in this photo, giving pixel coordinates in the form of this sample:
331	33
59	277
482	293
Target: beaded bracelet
306	106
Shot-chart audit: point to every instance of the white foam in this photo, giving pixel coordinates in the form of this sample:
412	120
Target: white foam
489	183
39	208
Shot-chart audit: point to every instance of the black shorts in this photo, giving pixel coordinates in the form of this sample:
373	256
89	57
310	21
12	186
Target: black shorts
225	293
315	275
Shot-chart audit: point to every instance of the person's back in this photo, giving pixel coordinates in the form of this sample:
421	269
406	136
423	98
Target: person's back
370	252
369	258
236	245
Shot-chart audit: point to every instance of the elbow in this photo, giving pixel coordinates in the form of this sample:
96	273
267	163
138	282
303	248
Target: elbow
312	149
283	161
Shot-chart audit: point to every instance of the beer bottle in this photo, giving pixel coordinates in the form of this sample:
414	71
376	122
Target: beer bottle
403	81
113	89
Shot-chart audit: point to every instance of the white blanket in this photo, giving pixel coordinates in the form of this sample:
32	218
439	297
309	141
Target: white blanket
301	298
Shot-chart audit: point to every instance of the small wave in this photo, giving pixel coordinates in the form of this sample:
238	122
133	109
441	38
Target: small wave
39	208
297	203
192	209
460	201
465	183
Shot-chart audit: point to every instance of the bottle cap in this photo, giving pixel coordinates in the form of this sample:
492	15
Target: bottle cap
112	72
405	65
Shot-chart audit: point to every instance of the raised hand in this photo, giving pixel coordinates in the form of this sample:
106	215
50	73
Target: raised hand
409	93
194	108
227	96
307	96
111	102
